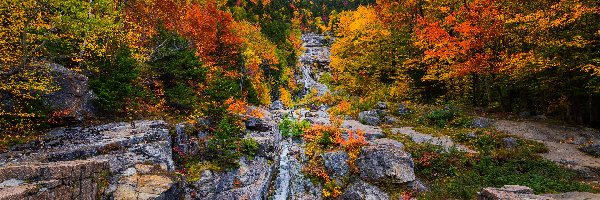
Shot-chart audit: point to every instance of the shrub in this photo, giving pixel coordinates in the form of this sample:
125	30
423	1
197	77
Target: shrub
249	147
449	116
289	127
224	146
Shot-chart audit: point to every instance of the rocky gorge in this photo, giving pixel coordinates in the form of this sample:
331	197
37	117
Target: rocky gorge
136	160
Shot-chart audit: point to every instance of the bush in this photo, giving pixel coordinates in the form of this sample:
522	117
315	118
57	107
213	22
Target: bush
181	97
289	127
227	146
449	116
249	147
223	146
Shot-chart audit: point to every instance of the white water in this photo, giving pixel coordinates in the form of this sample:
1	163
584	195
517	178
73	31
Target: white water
283	177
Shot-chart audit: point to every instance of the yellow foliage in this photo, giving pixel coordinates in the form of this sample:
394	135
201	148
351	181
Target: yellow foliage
285	97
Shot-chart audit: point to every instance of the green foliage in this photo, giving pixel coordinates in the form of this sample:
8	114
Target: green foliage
449	116
327	79
459	175
227	146
249	147
181	96
179	69
289	127
223	146
115	86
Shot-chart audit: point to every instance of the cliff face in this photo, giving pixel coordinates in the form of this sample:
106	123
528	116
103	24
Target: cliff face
116	160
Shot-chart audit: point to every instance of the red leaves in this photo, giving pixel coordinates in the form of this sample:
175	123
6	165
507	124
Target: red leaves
463	40
207	27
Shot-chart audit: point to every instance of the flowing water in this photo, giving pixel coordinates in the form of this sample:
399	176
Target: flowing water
283	177
315	56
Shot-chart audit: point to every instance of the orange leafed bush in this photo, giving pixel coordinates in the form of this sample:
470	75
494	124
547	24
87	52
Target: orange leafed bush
236	106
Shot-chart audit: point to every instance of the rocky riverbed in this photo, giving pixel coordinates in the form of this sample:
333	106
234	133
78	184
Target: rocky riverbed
135	160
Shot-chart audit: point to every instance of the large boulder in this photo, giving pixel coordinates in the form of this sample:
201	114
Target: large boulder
73	97
257	124
361	190
147	182
385	162
63	180
370	117
336	163
481	122
509	192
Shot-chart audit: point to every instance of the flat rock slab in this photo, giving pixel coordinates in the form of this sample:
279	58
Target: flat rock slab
443	141
74	162
122	144
370	132
510	192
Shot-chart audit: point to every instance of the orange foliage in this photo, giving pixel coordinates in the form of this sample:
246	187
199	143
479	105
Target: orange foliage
236	106
257	113
463	41
317	132
352	145
209	28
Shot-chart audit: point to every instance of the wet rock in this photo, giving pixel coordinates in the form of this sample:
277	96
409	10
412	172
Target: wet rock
277	105
361	190
249	181
386	163
291	183
591	149
481	122
403	109
256	124
336	163
510	142
509	192
267	143
309	81
370	117
382	105
73	96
